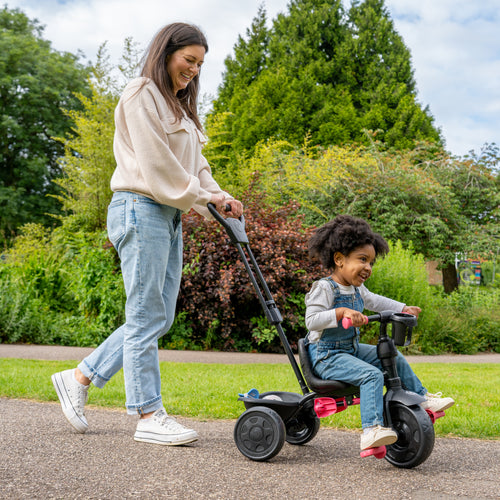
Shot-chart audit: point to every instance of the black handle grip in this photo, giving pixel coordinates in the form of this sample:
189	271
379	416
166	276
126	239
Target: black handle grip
235	228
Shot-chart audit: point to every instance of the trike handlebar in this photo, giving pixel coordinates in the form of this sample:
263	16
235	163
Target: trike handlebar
347	322
402	325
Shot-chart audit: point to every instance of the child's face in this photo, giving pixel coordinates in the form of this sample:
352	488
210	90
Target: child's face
355	268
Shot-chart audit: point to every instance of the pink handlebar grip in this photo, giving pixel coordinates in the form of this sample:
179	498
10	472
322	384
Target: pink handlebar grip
347	322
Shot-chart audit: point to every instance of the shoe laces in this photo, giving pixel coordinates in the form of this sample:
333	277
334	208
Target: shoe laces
434	396
168	422
81	395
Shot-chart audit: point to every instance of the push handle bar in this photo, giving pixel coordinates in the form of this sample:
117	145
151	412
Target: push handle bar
235	228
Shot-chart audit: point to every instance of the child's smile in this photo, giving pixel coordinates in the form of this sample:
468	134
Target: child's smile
355	268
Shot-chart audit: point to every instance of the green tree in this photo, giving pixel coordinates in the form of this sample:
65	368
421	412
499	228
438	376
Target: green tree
249	60
381	78
241	70
88	162
36	82
437	204
475	183
323	71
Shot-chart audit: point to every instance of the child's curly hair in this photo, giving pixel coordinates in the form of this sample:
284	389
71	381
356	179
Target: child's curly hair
344	234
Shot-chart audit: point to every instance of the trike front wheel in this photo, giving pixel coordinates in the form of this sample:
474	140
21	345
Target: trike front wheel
415	436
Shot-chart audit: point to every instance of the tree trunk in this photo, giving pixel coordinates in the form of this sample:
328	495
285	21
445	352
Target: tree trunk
450	281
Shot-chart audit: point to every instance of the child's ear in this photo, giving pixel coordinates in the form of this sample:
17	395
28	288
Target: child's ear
338	258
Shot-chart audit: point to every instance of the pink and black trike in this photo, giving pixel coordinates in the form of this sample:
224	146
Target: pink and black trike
273	417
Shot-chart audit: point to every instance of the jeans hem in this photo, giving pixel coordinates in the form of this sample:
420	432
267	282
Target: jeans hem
91	374
377	422
147	407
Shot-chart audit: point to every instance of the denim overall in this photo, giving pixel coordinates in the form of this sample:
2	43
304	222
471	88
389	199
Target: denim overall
338	355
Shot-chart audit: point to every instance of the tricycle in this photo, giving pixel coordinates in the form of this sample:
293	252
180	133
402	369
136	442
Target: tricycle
273	417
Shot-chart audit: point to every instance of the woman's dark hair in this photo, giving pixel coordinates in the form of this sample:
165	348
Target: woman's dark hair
168	40
344	234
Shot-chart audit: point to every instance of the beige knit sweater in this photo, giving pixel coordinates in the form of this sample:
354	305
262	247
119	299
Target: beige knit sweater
157	156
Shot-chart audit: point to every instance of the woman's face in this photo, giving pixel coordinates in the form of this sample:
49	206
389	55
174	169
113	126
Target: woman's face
184	64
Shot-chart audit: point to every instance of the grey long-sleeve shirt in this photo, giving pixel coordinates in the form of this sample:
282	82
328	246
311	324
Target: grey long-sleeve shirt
319	302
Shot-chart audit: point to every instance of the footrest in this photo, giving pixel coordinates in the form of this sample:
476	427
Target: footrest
325	407
378	452
435	415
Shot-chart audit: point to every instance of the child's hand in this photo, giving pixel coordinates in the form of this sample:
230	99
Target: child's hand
415	310
357	318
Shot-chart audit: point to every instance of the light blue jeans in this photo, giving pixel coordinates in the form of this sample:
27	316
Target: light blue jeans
148	239
361	367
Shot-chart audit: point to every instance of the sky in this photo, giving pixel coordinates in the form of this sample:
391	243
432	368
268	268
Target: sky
454	44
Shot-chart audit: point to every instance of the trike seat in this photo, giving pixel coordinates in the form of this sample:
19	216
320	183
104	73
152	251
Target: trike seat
318	385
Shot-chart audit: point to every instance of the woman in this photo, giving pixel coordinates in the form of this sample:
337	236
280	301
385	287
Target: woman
160	173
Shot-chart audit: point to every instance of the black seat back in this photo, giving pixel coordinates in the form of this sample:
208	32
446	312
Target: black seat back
318	385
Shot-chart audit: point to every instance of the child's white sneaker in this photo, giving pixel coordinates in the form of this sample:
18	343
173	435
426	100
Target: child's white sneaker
162	429
436	403
377	436
73	397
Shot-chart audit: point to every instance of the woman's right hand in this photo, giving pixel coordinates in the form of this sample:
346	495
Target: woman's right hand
221	203
219	200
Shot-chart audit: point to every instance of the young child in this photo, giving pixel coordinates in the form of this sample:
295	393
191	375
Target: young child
348	246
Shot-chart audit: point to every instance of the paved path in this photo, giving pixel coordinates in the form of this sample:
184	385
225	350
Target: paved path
42	457
27	351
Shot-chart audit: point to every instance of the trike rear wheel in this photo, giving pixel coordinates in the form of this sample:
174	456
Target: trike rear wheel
302	428
259	433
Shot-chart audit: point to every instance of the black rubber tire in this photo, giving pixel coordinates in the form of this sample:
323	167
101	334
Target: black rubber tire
259	433
415	436
302	428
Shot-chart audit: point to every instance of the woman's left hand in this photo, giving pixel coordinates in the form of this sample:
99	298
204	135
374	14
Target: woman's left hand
236	208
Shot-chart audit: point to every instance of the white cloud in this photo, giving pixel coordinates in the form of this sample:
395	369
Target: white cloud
454	44
456	55
86	24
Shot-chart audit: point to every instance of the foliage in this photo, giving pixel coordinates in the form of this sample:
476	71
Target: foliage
474	181
64	287
423	197
35	83
402	276
60	287
223	311
85	185
323	71
88	162
468	321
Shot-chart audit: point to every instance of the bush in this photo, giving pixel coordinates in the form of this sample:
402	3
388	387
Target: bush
60	288
464	322
218	301
467	322
401	275
65	287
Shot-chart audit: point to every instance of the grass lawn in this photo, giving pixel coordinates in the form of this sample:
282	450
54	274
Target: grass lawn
210	391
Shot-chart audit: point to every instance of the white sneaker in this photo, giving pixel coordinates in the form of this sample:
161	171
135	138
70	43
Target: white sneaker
73	397
436	403
378	436
162	429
